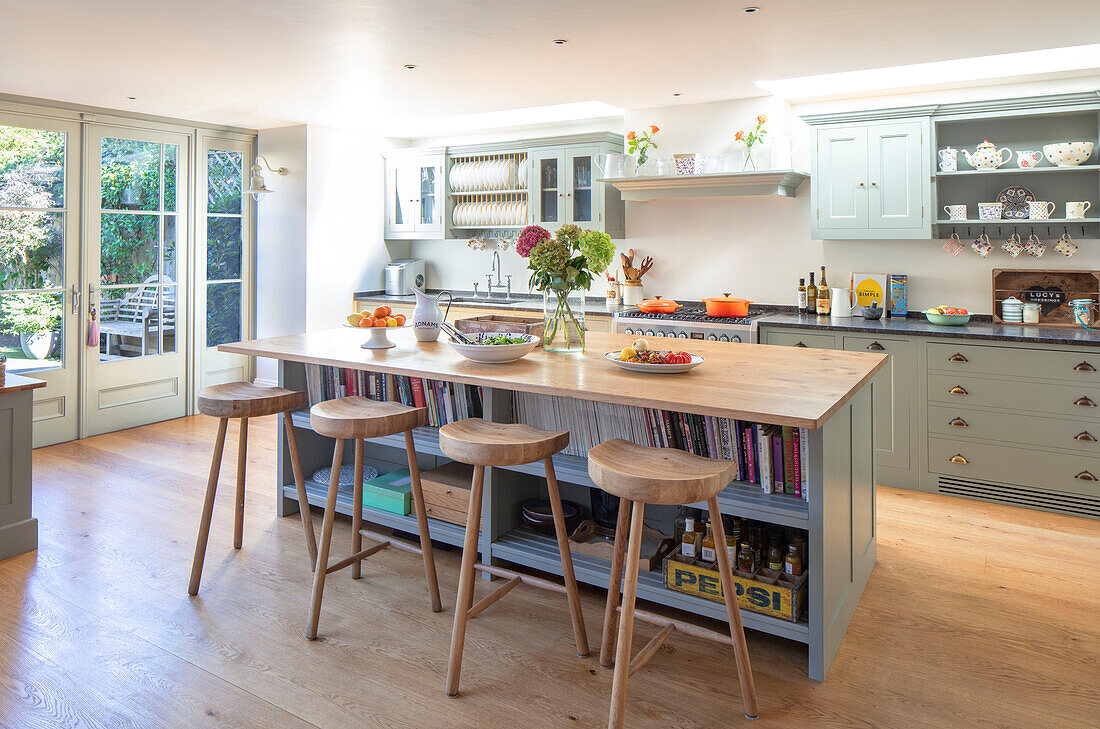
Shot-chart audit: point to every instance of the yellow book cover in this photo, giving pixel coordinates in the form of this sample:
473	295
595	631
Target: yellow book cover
868	287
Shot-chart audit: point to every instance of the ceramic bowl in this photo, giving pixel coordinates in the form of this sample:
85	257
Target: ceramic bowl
950	320
495	353
1068	154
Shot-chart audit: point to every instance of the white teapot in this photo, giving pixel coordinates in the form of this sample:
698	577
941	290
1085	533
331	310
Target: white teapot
987	157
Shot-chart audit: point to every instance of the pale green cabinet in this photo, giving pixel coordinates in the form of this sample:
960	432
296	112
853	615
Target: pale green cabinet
414	196
893	403
563	189
871	180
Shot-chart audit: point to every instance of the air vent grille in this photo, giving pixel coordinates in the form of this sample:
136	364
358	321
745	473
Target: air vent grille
1031	498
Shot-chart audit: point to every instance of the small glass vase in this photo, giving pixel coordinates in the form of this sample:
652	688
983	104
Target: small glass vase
750	159
563	319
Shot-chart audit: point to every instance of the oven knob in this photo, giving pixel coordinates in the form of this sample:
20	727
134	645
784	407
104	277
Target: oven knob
712	337
723	338
628	330
682	335
649	333
736	338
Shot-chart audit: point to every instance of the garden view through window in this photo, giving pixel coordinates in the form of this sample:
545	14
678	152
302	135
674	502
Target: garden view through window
224	246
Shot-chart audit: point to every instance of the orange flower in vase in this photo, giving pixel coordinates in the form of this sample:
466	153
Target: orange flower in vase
630	136
653	129
640	144
752	138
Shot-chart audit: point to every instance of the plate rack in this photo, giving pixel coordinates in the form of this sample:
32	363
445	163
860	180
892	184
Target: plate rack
487	194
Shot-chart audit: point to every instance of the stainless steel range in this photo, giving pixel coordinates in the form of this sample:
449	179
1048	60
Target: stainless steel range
690	322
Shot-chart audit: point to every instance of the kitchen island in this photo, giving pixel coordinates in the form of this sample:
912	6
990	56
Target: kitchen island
829	393
18	529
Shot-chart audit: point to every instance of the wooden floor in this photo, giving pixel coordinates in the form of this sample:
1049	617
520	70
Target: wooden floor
976	616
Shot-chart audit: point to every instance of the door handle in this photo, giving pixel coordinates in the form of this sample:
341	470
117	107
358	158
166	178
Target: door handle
1083	367
76	299
1085	436
958	423
875	347
1085	476
958	458
958	390
1084	402
957	357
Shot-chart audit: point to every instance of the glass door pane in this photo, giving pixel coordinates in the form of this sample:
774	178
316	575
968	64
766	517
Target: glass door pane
548	187
224	245
581	189
429	202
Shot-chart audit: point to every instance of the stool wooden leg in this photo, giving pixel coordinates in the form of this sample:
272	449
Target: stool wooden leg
465	581
626	621
614	585
737	632
579	634
300	488
238	514
207	509
422	524
357	510
326	542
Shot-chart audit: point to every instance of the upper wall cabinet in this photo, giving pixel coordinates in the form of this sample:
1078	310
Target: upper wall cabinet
564	190
414	195
871	180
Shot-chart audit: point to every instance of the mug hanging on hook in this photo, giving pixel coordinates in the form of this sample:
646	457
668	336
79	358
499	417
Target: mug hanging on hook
1013	247
953	245
1066	246
981	245
1035	247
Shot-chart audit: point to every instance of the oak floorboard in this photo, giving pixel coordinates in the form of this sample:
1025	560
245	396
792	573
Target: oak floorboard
977	615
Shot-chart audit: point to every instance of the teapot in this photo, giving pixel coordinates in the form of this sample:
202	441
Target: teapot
987	157
427	317
1028	159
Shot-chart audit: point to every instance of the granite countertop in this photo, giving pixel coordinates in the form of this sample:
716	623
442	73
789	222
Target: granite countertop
979	327
593	305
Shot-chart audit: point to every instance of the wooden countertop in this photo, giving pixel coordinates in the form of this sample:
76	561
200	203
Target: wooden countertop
15	383
782	385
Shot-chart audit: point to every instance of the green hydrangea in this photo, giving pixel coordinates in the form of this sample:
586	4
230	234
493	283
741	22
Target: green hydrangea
597	249
568	234
550	256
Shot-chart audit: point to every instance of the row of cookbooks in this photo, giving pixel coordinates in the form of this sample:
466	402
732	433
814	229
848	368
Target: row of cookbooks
770	456
446	401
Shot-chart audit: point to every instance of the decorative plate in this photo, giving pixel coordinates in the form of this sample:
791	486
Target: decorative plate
1014	202
663	369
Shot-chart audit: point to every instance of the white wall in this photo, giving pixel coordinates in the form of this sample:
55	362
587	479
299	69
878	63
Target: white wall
280	241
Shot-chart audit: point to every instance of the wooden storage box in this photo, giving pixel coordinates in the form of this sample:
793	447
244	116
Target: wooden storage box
1051	289
447	492
767	592
501	323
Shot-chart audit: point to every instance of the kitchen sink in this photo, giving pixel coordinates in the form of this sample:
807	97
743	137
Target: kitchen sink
483	300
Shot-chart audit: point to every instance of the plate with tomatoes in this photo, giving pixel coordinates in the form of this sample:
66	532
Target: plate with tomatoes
640	358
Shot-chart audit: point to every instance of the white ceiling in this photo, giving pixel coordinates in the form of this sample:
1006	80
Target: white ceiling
263	63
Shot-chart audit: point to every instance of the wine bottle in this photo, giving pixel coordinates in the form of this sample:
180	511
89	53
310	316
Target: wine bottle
823	296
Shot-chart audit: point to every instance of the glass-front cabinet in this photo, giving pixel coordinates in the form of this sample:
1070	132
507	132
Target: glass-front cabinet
414	196
564	189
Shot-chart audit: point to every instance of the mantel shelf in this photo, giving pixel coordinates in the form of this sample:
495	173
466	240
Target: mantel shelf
781	183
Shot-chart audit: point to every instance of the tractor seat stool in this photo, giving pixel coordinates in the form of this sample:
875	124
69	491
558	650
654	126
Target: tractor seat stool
481	443
641	475
358	417
244	400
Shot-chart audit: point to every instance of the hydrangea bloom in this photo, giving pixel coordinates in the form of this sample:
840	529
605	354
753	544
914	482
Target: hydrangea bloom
597	249
531	236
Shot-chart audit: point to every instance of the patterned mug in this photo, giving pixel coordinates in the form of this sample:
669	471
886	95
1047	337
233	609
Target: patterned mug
1013	246
1035	247
955	212
1066	246
1039	210
949	160
1077	210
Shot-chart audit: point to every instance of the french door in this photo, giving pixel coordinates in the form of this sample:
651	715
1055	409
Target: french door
39	265
136	275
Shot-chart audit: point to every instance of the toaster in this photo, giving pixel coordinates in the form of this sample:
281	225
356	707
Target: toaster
404	275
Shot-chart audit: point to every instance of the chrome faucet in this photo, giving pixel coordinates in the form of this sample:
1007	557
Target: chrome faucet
495	268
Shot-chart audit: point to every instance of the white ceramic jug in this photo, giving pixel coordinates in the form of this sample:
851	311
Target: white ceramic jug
426	317
612	164
840	303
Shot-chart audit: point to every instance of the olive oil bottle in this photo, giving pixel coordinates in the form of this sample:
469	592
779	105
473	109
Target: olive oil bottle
811	296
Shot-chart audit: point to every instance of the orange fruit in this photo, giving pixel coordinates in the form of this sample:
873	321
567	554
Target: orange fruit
366	321
391	321
382	311
400	319
380	321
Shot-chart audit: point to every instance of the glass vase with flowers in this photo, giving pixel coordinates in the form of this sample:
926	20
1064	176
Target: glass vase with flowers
751	139
640	144
562	267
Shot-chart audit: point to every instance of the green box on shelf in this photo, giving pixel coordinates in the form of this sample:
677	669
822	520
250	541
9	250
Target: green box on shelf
389	492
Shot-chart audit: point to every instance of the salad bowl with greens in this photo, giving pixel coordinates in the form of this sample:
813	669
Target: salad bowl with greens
496	347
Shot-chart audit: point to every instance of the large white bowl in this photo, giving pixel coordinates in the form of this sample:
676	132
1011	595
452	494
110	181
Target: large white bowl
1068	154
495	353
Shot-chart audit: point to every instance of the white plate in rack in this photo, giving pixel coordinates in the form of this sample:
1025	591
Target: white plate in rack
656	369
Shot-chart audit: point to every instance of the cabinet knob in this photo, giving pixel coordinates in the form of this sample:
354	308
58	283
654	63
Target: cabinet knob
958	423
1083	367
1085	476
1084	402
957	357
1085	436
859	184
875	347
874	184
799	344
958	458
958	390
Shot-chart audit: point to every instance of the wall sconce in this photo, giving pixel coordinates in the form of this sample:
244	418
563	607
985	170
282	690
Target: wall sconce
256	186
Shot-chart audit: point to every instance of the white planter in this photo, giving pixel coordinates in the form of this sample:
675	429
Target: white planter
37	345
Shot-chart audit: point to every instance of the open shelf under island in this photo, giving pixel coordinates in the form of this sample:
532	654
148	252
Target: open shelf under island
828	393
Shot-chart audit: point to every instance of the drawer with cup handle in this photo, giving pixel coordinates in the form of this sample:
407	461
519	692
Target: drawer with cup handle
1028	430
1076	366
795	338
1076	401
1011	464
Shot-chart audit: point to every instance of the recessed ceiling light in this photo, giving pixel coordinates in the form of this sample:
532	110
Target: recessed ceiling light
560	41
131	98
409	66
750	9
677	93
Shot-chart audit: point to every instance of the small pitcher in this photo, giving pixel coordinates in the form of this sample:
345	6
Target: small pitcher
427	317
1028	159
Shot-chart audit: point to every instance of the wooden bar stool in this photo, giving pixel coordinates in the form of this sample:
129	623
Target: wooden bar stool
641	475
244	400
358	417
482	443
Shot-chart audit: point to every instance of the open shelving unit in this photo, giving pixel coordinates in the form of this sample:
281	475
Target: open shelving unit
838	470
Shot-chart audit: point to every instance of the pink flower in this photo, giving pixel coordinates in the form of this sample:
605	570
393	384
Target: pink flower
530	237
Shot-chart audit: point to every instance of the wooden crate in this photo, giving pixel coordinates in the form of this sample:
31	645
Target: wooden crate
501	323
767	592
1052	289
447	492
